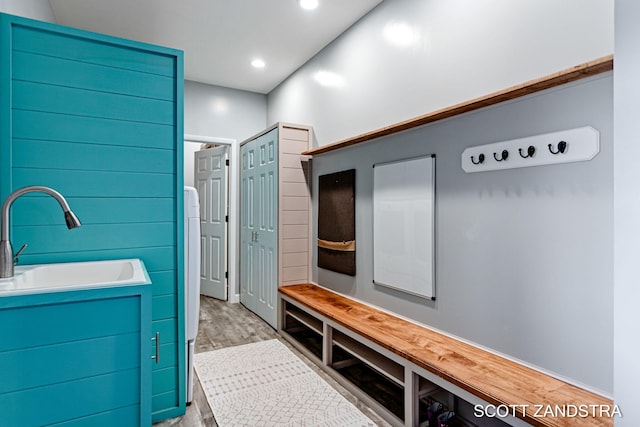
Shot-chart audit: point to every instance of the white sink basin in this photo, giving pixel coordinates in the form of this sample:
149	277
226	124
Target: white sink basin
38	278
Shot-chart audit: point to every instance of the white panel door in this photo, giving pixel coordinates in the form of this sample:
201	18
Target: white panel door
248	225
259	229
211	183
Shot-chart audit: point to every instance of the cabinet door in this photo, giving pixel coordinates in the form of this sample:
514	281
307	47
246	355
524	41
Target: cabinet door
259	230
66	360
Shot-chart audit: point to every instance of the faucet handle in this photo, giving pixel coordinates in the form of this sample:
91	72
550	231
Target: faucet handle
15	257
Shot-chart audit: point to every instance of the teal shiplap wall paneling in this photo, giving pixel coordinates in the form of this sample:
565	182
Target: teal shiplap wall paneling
100	120
75	366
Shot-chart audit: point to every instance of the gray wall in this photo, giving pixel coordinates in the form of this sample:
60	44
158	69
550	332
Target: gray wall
34	9
523	257
627	212
459	50
222	112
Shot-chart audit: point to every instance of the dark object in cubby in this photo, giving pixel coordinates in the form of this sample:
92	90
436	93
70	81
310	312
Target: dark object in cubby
337	222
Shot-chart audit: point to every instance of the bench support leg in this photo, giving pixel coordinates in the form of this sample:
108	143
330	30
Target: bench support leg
327	344
410	398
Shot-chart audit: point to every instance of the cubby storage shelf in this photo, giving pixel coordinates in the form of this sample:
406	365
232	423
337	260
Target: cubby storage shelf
397	367
303	336
385	366
380	378
389	394
304	318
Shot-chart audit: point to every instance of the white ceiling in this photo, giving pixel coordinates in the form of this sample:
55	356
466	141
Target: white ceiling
220	38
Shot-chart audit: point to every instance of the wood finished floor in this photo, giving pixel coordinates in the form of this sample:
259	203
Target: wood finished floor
226	325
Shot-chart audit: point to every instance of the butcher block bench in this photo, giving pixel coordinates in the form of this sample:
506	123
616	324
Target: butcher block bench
399	367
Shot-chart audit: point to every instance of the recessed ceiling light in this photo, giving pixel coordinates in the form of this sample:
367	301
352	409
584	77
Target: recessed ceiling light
258	63
308	4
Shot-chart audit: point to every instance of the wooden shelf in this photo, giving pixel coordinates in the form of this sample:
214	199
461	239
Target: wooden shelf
578	72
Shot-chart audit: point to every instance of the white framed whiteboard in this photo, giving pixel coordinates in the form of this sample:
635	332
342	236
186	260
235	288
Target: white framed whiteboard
404	225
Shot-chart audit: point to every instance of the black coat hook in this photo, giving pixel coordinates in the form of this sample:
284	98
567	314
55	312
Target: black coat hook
480	159
530	152
562	147
505	155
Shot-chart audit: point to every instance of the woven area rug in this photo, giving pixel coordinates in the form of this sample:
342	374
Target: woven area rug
265	384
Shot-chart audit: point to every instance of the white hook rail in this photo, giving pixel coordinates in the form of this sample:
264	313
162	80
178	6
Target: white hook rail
573	145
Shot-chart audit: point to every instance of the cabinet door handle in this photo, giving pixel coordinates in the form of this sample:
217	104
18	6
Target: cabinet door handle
257	236
156	357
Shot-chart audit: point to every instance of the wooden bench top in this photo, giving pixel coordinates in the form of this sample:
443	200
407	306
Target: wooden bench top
494	379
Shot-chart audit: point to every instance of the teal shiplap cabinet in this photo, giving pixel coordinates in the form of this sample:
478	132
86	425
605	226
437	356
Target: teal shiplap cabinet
99	119
65	361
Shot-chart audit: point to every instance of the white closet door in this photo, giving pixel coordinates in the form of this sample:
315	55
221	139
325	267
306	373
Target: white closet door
259	227
248	224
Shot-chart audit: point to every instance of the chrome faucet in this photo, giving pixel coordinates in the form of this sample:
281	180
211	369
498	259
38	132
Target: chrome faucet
6	251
